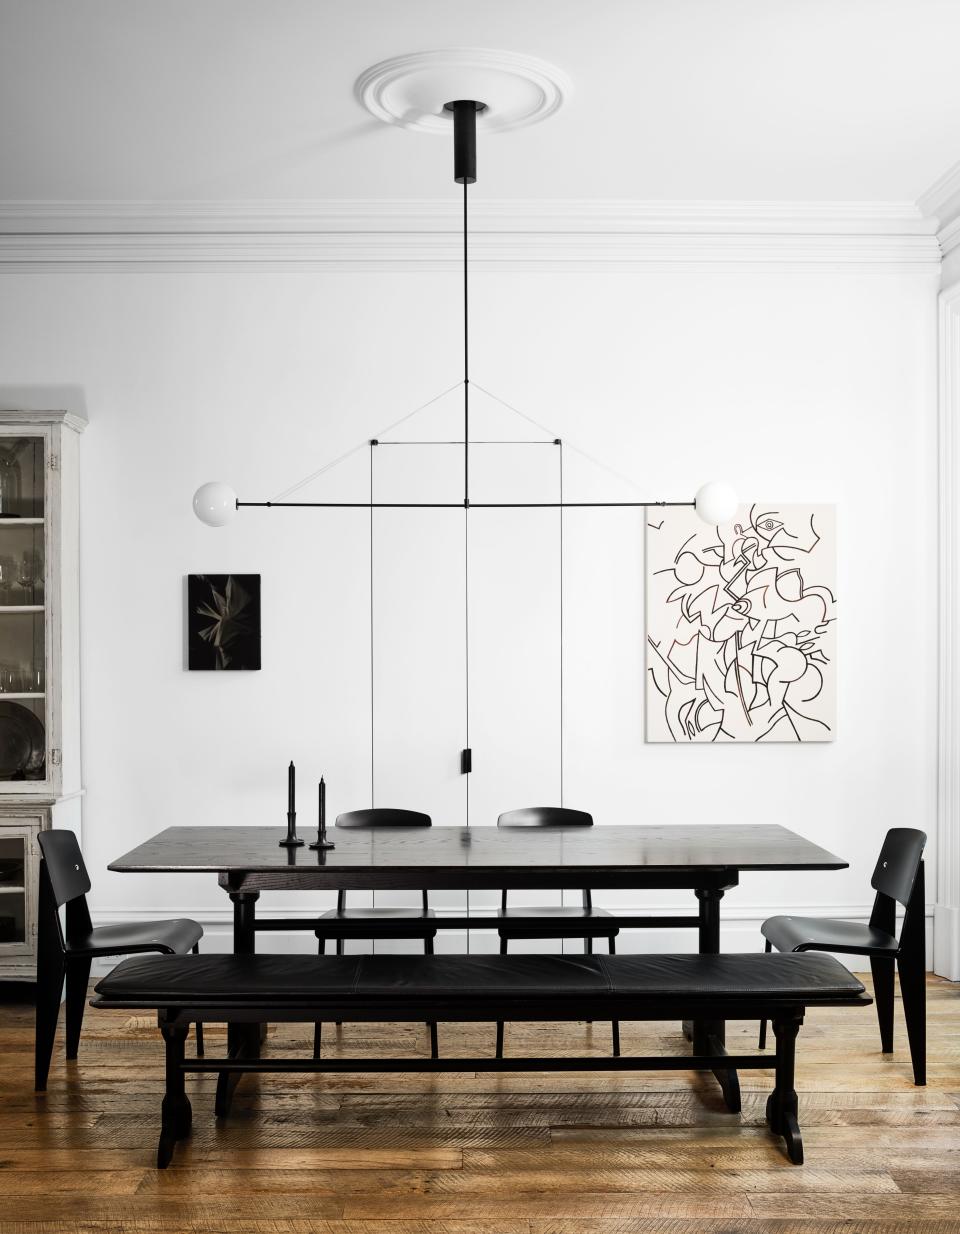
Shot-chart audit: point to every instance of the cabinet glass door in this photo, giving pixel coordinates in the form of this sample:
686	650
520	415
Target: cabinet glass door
13	892
23	742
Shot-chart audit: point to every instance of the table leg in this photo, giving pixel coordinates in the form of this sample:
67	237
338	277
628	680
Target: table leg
243	1040
709	1036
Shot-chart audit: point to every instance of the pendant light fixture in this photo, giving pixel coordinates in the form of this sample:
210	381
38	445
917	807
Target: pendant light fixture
216	504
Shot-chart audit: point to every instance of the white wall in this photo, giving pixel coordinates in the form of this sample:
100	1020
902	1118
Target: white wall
795	384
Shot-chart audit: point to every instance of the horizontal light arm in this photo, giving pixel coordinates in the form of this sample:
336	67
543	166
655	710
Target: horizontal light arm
455	505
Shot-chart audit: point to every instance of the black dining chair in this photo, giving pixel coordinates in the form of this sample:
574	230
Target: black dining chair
342	923
66	949
560	921
898	879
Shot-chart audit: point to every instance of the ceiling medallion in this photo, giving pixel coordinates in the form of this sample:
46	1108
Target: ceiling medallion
411	90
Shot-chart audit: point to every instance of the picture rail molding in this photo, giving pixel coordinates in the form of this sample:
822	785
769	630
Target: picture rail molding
424	234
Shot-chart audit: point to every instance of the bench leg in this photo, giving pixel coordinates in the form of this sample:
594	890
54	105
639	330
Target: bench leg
176	1113
782	1102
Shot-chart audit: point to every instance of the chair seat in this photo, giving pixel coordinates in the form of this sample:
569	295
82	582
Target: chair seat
177	937
827	934
365	922
557	921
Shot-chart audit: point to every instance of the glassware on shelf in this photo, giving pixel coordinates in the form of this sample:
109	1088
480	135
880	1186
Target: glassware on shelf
28	572
11	482
8	578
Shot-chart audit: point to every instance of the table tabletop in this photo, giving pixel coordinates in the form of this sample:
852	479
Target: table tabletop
460	856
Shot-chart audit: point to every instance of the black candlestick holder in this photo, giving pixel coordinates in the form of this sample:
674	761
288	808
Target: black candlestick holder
321	841
291	839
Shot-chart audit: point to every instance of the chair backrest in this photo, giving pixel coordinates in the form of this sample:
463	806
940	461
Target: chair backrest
545	816
64	865
898	863
383	818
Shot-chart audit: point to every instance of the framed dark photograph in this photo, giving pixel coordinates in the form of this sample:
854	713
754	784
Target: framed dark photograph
223	621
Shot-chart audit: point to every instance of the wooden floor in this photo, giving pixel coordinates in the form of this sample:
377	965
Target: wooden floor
481	1154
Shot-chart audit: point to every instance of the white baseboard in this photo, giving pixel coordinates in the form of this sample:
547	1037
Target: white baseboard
739	931
946	937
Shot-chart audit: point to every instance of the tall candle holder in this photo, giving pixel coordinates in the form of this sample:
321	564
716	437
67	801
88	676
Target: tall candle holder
291	839
321	841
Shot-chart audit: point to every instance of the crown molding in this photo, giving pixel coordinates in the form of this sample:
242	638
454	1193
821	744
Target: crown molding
352	234
940	204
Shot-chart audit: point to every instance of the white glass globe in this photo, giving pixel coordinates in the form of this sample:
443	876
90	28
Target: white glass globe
716	502
215	503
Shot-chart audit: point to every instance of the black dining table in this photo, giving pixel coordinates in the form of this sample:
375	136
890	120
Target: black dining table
706	859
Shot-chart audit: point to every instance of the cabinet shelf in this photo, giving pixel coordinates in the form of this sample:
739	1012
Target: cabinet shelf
21	522
7	889
21	694
21	608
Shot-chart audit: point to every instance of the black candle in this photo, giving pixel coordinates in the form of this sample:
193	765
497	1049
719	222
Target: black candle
291	788
323	806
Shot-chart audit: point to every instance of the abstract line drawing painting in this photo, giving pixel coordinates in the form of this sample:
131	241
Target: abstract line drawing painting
741	625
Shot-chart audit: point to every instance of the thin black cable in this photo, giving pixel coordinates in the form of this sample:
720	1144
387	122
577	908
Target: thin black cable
560	512
372	800
466	638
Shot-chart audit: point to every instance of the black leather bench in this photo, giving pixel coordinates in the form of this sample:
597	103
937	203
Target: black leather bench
303	989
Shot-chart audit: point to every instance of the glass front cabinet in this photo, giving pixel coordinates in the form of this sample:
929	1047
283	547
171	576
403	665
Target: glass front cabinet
40	780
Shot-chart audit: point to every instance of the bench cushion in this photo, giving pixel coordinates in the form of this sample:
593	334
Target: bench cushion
212	980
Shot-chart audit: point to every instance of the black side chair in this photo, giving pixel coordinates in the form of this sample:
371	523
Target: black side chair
66	952
898	878
342	923
583	921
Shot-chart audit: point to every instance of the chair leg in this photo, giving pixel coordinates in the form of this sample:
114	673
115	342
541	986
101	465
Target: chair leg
615	1026
431	1024
78	979
882	969
49	988
762	1043
318	1026
503	951
913	989
198	1027
339	952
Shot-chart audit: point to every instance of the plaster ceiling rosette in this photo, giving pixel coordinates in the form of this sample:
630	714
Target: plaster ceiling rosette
411	90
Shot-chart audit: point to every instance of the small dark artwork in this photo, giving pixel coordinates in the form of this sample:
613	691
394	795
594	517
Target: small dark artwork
223	621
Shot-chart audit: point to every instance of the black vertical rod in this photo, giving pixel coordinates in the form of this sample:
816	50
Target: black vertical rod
465	139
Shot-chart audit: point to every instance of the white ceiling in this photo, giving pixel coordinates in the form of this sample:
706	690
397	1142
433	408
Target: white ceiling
244	100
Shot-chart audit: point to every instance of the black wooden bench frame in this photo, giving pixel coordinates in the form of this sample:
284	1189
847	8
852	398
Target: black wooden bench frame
786	1017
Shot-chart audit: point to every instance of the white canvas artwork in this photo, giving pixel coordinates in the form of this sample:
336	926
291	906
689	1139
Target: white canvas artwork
742	625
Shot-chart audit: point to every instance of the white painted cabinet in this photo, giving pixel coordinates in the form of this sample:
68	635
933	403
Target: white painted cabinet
40	781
